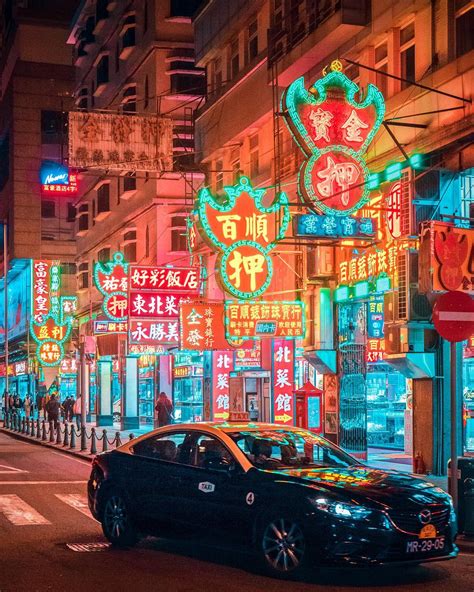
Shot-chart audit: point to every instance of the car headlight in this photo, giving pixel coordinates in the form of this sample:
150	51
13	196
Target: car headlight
341	509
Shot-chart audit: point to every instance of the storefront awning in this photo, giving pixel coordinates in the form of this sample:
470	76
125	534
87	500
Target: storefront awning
413	364
323	360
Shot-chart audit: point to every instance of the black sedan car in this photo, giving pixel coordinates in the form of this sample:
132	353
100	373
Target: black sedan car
292	495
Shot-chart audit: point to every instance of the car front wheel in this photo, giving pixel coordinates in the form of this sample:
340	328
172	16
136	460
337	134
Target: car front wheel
116	521
282	546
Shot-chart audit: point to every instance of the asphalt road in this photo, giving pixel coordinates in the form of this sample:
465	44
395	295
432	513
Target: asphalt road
43	510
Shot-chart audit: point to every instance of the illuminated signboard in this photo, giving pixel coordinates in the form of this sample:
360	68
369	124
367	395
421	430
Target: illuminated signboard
333	130
153	332
393	212
256	320
155	304
244	232
375	349
375	317
182	371
222	366
111	279
165	279
249	357
56	178
328	226
41	289
371	264
283	376
107	327
202	326
144	349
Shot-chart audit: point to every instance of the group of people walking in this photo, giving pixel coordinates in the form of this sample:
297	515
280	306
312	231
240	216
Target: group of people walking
50	406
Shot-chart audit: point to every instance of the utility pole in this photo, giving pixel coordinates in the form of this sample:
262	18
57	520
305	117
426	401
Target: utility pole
5	304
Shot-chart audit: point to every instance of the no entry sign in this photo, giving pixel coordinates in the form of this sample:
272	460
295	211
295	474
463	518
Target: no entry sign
453	316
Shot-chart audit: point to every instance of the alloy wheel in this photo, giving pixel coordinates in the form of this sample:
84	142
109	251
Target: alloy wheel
283	545
115	516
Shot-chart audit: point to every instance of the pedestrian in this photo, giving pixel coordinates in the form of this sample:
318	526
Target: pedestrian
27	405
67	406
164	410
11	403
77	411
52	408
18	405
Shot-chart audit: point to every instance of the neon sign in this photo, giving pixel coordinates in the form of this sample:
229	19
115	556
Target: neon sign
283	381
370	265
250	320
328	226
244	231
202	326
111	280
56	178
333	130
222	365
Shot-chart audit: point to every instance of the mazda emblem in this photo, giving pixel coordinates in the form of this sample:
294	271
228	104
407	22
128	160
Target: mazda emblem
424	516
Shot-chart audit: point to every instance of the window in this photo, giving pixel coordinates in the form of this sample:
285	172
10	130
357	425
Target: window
83	276
129	101
83	218
381	64
467	199
252	43
235	164
407	54
130	182
170	447
48	209
234	58
102	71
71	212
219	175
178	233
183	7
254	164
53	127
188	84
103	198
103	255
210	453
217	76
464	27
130	246
128	35
68	268
82	99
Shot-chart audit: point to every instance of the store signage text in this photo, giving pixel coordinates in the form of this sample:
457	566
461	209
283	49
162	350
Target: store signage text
370	265
283	377
111	280
165	279
106	327
222	366
329	226
56	178
202	326
250	320
153	332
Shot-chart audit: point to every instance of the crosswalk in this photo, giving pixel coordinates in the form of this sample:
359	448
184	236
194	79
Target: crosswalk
19	513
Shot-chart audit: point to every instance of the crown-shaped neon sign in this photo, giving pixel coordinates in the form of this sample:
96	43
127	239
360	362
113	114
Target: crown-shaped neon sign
333	130
244	231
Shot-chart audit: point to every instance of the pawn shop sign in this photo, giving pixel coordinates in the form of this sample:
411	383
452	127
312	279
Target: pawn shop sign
453	316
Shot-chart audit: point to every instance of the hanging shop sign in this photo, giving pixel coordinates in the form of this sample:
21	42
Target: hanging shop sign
333	130
68	366
155	304
68	305
393	211
375	317
120	142
370	265
144	349
50	336
446	258
249	358
55	178
222	366
375	350
244	232
153	332
111	279
283	377
202	326
329	226
182	371
177	280
41	289
257	320
106	327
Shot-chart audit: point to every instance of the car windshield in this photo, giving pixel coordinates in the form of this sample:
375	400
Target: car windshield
285	449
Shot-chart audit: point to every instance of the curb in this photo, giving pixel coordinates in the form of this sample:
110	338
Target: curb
465	544
59	448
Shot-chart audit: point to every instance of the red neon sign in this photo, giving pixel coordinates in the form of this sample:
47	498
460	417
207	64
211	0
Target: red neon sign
283	377
165	279
222	365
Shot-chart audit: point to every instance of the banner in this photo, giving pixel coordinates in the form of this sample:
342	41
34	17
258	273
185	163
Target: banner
120	142
283	381
185	280
153	332
202	326
222	365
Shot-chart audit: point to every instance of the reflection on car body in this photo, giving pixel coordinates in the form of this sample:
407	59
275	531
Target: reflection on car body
291	494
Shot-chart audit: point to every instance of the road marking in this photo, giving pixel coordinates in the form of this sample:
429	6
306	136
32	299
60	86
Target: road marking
19	513
456	316
70	457
10	469
78	501
87	547
40	482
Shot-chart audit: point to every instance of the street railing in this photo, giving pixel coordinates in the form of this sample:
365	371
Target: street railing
64	434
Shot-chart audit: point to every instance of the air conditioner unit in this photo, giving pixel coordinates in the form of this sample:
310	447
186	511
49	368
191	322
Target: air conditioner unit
400	339
434	193
410	305
320	262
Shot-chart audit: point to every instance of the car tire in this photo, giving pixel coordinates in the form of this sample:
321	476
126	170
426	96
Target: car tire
281	546
117	524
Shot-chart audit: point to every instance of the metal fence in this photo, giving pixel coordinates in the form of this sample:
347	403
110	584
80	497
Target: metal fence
62	434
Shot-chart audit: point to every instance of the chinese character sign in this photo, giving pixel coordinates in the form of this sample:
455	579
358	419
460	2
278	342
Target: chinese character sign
283	378
371	264
41	289
333	130
375	349
202	326
244	232
153	332
155	304
106	327
126	142
375	317
111	280
255	320
249	357
183	280
327	225
222	365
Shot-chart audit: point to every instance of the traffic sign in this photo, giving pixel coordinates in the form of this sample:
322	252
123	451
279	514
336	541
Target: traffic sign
453	316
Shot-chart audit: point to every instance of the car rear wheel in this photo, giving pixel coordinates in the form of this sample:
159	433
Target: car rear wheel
282	546
116	521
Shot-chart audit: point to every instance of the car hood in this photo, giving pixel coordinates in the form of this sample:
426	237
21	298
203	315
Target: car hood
382	489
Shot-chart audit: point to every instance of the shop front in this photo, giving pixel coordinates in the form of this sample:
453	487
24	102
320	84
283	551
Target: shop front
188	370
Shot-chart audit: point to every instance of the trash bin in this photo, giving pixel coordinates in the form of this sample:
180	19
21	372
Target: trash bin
465	478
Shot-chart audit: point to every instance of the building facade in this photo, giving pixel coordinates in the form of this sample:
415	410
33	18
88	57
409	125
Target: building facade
388	389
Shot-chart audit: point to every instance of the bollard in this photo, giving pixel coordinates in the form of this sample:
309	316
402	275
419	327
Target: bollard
93	443
32	429
38	428
43	430
73	436
131	436
104	441
83	438
66	434
118	441
58	433
51	431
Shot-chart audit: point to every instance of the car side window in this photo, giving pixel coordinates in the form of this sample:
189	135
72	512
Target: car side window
209	453
167	447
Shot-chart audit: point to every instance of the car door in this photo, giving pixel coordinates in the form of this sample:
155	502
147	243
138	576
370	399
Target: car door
215	490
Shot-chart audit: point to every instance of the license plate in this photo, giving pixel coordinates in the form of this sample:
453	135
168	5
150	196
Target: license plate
425	545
